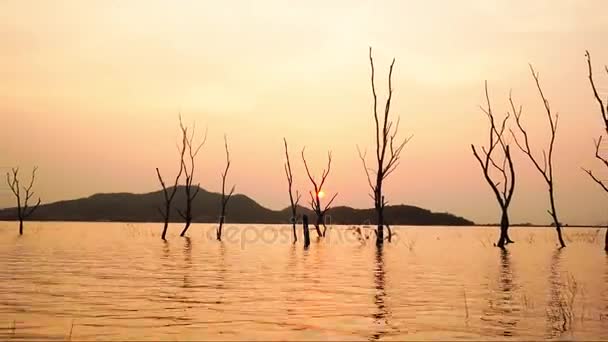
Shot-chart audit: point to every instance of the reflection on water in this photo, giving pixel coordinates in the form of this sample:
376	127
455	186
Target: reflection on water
380	316
117	281
504	311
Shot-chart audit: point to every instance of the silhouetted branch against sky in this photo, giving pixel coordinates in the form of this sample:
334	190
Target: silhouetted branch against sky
226	197
289	175
293	202
315	200
487	159
604	113
23	205
546	170
170	194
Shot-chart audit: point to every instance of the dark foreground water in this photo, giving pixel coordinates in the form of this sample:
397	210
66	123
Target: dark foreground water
119	281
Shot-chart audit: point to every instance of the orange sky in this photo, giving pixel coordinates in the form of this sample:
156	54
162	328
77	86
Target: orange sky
90	93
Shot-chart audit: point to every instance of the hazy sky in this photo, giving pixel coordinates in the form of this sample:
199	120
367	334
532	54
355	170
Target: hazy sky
90	92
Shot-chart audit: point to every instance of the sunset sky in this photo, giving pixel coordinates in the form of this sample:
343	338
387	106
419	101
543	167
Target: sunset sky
90	92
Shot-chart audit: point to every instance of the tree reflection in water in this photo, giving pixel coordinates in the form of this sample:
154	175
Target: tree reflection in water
381	314
503	310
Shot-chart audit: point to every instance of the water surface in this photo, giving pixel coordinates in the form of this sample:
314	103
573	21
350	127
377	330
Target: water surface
117	281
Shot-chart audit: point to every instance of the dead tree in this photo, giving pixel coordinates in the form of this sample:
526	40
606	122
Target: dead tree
490	166
315	198
24	210
294	204
546	170
169	194
388	151
189	168
225	197
598	142
305	231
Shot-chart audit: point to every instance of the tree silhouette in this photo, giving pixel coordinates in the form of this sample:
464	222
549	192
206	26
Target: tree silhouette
294	204
388	152
225	197
598	142
189	168
546	170
488	164
24	210
169	193
315	198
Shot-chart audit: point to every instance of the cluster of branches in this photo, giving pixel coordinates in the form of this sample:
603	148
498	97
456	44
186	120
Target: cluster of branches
490	163
225	196
523	143
388	151
598	143
604	112
187	168
24	210
315	194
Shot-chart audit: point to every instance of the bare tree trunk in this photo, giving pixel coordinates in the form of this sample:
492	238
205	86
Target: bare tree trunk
20	226
318	223
504	229
225	197
380	230
294	204
558	225
185	228
167	208
188	215
219	229
306	231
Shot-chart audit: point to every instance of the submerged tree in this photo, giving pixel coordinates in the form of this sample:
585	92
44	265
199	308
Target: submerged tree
490	165
294	204
169	193
315	198
546	170
24	210
189	168
598	142
388	152
225	197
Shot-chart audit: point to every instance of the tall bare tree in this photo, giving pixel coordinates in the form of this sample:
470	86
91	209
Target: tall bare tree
388	151
490	165
315	198
189	167
598	143
546	170
24	210
225	197
294	203
169	193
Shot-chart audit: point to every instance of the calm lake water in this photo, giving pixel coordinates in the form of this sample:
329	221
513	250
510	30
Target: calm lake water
116	281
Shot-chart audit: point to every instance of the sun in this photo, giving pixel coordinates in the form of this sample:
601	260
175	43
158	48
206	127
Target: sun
321	194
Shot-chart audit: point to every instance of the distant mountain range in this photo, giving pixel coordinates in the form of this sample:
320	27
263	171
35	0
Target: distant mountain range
128	207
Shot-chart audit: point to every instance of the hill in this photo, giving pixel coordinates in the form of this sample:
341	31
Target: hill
128	207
